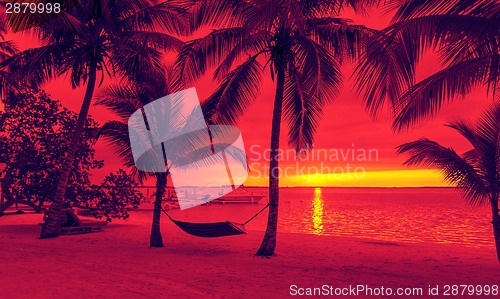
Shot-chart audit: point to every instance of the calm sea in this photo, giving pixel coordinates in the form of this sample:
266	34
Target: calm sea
430	215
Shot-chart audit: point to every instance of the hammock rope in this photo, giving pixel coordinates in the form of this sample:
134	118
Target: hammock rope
213	229
251	218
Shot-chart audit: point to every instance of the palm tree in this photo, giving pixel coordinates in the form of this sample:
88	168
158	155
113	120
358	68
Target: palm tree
477	172
124	101
113	38
302	43
467	37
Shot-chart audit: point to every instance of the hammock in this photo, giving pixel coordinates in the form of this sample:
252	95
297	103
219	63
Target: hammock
213	229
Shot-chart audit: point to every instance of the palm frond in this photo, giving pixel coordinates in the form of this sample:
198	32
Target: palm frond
199	148
171	16
383	72
4	23
312	82
320	71
219	13
255	42
426	97
269	15
38	65
136	60
387	69
235	94
467	130
313	8
488	136
64	26
155	39
340	37
451	30
203	157
115	134
123	100
454	168
472	44
321	8
407	9
201	54
303	111
7	49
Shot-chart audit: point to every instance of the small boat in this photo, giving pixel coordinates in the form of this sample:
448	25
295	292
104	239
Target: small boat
239	196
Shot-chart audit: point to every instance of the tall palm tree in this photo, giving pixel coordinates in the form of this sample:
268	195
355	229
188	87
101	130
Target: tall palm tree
467	37
106	37
477	172
302	43
124	101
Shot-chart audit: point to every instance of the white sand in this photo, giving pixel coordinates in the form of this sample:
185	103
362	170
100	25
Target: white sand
117	262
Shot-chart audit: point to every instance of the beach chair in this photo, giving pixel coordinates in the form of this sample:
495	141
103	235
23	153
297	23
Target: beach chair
71	224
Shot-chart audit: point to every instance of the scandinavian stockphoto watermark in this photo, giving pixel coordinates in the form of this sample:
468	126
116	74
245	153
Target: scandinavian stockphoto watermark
171	135
347	163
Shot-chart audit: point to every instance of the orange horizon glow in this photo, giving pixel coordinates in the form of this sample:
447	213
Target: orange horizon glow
387	178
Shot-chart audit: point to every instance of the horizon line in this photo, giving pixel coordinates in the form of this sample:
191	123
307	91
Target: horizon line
317	186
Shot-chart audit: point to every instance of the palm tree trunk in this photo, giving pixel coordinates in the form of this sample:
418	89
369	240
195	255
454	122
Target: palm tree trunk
155	240
496	223
7	199
52	226
269	242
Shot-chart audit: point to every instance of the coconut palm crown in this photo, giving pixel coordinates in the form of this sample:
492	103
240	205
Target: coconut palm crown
301	44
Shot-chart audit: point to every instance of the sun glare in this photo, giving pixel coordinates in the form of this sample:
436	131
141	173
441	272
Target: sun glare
317	216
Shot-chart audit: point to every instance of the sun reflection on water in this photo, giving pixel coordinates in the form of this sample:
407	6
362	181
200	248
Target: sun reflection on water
317	216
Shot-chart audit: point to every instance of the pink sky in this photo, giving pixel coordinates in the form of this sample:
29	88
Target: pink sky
345	125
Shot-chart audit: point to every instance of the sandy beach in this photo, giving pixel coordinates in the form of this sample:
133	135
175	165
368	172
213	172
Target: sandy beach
118	263
364	135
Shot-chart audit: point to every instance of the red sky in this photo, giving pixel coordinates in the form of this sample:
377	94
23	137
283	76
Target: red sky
345	126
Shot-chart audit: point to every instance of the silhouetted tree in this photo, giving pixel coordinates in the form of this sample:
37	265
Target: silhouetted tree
195	150
106	37
477	172
302	44
124	101
466	34
34	133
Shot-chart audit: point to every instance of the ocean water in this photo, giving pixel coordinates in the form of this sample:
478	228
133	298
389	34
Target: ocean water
422	215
